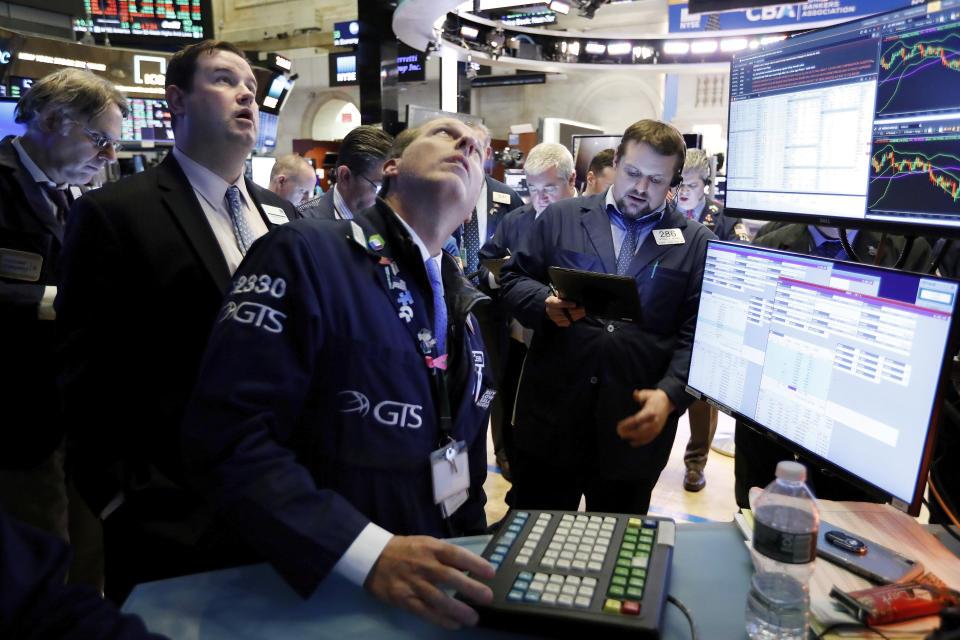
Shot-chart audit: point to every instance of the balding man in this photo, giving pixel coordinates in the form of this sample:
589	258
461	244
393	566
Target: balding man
292	178
363	382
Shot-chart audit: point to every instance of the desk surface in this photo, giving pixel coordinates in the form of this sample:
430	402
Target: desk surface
711	572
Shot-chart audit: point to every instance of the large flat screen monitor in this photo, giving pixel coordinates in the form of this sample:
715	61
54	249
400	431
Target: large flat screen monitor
149	121
854	125
146	23
8	124
839	360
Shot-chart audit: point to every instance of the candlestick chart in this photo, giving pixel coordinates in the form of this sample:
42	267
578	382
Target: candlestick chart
919	72
915	174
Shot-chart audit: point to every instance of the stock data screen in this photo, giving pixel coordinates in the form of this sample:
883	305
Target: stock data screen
149	120
856	122
182	19
841	359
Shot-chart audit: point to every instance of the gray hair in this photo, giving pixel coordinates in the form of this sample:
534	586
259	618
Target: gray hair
70	93
698	161
547	155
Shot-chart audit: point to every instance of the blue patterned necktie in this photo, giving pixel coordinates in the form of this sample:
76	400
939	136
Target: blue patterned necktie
240	227
629	245
471	242
832	249
439	306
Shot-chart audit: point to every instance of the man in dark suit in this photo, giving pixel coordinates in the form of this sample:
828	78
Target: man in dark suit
756	457
583	377
550	174
72	120
358	176
145	264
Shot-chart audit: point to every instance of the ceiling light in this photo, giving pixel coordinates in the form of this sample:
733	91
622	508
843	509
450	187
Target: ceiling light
618	48
733	44
573	48
703	46
595	48
676	48
560	7
469	32
769	39
642	52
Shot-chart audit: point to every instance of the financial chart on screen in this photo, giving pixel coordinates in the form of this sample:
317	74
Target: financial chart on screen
853	125
843	360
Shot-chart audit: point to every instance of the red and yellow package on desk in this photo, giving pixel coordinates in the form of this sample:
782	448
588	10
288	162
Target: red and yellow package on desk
895	602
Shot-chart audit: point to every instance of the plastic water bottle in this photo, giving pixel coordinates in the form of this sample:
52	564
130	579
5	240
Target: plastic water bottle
784	548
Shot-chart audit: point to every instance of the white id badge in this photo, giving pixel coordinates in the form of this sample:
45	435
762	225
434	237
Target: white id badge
450	468
276	215
668	236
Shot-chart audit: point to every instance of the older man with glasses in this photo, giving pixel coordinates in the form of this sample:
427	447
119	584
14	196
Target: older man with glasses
72	120
358	176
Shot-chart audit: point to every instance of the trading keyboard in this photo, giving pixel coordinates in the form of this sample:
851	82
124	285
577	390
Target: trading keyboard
562	572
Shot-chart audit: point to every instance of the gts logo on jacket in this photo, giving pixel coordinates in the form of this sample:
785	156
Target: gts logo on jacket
387	412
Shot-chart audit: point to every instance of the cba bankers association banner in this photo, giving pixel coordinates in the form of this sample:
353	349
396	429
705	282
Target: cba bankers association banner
782	17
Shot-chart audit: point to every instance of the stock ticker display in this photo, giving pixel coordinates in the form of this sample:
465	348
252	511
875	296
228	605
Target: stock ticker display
160	18
860	121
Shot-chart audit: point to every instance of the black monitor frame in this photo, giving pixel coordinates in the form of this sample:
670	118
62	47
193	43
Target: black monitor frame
912	506
862	30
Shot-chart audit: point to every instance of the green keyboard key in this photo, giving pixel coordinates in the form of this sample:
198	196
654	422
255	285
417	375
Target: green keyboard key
621	571
620	581
616	591
635	593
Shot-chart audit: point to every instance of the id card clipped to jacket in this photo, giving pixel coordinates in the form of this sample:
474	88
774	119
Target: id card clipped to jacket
450	468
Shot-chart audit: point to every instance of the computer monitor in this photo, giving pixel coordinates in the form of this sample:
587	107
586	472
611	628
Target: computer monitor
260	167
8	124
585	147
267	131
149	121
854	125
841	361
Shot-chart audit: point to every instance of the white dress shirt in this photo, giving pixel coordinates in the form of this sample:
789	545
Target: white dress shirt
211	191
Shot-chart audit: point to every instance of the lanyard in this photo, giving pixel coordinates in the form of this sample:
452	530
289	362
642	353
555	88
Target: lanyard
396	289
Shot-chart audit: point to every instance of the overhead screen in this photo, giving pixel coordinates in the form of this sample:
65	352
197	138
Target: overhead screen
855	125
843	361
148	23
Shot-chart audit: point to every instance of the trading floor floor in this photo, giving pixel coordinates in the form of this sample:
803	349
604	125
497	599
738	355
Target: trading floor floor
713	503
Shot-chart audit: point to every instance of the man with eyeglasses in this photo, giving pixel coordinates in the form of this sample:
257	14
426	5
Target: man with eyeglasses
292	178
550	176
577	430
72	119
358	176
146	261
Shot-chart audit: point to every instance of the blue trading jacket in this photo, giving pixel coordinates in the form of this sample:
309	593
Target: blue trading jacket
316	412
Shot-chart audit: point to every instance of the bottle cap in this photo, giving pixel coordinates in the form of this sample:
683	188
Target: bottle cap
791	471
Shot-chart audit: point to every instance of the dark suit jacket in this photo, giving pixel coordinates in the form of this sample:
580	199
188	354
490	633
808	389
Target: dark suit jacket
577	381
495	210
796	237
321	207
31	417
141	281
725	227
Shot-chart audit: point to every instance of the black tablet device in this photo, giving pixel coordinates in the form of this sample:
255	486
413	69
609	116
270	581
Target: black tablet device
602	295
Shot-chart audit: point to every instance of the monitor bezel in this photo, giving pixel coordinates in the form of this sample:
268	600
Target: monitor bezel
899	227
920	481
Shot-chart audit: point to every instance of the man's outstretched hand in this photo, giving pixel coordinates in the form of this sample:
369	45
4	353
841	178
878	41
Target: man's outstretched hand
412	570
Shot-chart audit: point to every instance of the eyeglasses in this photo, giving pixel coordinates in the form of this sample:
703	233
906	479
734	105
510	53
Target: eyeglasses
376	185
100	140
